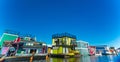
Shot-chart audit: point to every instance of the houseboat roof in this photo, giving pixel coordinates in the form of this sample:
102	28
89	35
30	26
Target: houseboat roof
32	46
59	35
31	41
11	32
101	45
82	41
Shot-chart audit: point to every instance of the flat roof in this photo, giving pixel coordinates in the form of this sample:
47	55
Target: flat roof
82	41
59	35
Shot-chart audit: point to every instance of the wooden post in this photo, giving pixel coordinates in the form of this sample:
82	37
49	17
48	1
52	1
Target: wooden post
47	57
2	59
31	58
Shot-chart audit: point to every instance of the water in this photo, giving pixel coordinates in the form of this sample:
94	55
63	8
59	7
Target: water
109	58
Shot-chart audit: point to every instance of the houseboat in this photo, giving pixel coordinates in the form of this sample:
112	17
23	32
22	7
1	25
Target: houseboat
102	50
92	50
23	48
82	47
113	50
63	45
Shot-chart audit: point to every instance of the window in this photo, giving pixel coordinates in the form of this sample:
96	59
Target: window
31	44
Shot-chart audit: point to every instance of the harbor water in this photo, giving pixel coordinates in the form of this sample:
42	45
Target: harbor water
106	58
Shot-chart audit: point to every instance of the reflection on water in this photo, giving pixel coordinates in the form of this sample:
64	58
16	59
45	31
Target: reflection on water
109	58
63	60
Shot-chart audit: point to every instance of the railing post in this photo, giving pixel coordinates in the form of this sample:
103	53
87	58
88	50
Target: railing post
31	58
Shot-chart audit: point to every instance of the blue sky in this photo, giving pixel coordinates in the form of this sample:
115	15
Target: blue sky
94	21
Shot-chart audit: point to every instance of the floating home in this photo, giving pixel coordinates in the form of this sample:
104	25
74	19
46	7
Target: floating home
7	37
102	50
92	50
82	47
63	45
118	51
113	50
27	46
22	48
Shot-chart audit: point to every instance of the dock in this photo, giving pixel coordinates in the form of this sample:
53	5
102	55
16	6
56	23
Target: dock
63	56
25	58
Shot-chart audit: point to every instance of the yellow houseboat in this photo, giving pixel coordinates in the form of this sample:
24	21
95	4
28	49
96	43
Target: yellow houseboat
63	45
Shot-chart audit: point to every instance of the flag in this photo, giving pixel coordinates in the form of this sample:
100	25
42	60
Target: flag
17	40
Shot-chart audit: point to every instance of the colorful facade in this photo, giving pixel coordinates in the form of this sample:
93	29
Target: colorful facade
13	42
6	37
82	47
118	50
92	50
63	44
33	46
103	50
25	47
113	50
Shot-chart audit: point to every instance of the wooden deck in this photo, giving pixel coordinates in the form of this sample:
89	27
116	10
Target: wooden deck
63	56
24	58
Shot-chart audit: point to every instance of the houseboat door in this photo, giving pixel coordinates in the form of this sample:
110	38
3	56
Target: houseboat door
32	50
